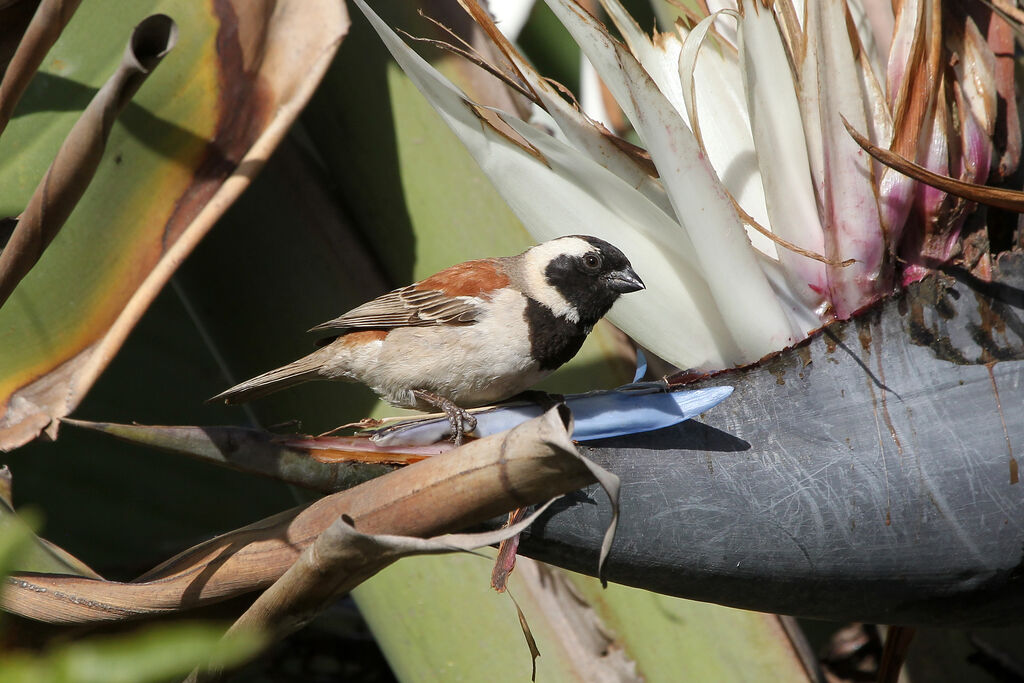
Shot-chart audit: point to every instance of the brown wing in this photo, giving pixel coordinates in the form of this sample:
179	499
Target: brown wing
451	297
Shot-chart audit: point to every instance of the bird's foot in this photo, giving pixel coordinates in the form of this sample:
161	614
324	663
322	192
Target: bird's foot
461	421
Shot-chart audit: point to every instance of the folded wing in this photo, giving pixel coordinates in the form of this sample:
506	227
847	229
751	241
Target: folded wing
453	296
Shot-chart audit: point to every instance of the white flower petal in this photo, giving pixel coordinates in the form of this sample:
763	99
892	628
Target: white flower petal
579	131
850	206
592	94
568	193
712	83
801	316
782	153
660	57
864	23
511	15
739	287
725	26
676	316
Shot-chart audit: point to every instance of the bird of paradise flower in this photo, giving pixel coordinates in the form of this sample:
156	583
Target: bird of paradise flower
753	214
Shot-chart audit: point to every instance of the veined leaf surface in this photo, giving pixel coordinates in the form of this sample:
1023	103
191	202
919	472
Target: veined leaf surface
181	152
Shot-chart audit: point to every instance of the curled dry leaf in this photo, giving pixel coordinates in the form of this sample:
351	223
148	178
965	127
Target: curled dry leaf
505	562
339	560
1011	200
47	23
190	144
531	642
529	464
75	165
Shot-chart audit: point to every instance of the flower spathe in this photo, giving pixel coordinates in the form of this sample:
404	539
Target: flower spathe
740	127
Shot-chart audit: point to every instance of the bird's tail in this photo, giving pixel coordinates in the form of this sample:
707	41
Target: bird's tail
302	370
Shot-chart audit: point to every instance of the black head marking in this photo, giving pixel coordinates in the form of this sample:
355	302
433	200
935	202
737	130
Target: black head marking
553	340
591	282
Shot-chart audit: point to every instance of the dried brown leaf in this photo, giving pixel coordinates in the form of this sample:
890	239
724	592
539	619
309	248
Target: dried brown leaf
526	465
339	560
505	562
1011	200
913	87
531	642
506	49
509	64
473	57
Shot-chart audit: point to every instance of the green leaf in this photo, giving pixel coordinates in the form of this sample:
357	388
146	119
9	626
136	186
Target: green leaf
695	641
149	654
38	555
15	539
181	152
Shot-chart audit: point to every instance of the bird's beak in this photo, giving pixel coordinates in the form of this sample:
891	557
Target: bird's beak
625	281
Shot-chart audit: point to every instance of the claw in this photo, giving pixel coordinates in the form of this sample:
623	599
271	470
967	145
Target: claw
461	421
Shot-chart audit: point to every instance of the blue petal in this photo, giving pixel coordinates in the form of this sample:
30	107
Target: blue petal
631	409
620	412
641	365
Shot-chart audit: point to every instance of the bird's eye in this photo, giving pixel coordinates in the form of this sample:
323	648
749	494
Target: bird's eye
591	261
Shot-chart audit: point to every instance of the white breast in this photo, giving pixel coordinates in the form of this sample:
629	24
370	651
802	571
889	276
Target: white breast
470	364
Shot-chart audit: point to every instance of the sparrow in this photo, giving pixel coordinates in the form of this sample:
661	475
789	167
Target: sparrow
473	334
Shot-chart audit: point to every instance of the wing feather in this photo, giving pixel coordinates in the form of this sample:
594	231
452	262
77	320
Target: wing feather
454	296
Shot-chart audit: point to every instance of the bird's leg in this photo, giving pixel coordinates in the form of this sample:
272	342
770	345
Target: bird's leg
461	421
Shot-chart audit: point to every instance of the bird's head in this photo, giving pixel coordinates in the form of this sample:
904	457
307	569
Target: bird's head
579	277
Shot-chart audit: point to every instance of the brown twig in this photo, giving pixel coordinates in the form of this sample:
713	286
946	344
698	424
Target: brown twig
785	244
894	654
76	161
46	26
1011	200
477	60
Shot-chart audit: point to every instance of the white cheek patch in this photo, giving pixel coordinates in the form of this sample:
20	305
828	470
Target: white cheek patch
537	260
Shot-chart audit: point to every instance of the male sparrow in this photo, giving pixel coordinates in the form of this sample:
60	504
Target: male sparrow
473	334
